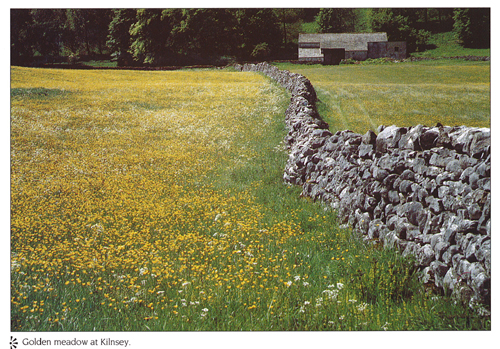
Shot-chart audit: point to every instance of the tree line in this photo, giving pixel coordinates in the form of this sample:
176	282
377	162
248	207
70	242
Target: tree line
219	35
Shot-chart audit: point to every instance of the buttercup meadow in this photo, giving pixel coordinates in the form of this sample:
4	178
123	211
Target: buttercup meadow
153	200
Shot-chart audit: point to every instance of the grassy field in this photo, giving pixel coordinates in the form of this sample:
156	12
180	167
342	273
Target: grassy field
154	201
362	97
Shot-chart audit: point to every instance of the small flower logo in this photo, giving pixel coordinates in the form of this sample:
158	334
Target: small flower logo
13	343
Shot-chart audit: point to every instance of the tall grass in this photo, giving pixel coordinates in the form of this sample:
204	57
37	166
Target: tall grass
154	201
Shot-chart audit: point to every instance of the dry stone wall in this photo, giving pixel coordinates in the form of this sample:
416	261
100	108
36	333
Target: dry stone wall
423	190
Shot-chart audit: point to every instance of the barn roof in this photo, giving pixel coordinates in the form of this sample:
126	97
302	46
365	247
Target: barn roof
349	41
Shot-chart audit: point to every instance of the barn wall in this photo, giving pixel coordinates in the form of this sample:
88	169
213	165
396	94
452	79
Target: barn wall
356	55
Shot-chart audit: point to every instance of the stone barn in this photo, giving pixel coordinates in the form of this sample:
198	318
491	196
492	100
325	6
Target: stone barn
331	48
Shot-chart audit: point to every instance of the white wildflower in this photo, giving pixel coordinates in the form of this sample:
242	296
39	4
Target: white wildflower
305	283
97	228
319	301
331	294
297	278
340	285
361	307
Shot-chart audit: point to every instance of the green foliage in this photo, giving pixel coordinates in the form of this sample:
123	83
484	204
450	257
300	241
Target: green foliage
261	51
178	36
385	277
400	25
289	21
20	36
446	45
119	38
336	20
203	33
363	22
150	39
47	34
349	61
254	29
47	30
344	20
472	27
194	36
85	29
310	27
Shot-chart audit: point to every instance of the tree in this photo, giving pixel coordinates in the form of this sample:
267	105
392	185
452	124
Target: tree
363	20
85	30
151	39
47	31
337	20
472	27
399	24
205	35
45	35
21	43
290	20
258	34
119	38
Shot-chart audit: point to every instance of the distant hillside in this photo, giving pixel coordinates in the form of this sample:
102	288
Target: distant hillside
446	45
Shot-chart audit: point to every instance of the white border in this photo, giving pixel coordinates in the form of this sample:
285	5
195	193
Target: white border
222	340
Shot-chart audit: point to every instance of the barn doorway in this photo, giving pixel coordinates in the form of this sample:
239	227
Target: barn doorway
333	56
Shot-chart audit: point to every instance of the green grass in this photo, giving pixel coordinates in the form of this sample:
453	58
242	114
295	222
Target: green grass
310	27
37	93
362	97
371	288
324	277
446	45
376	92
